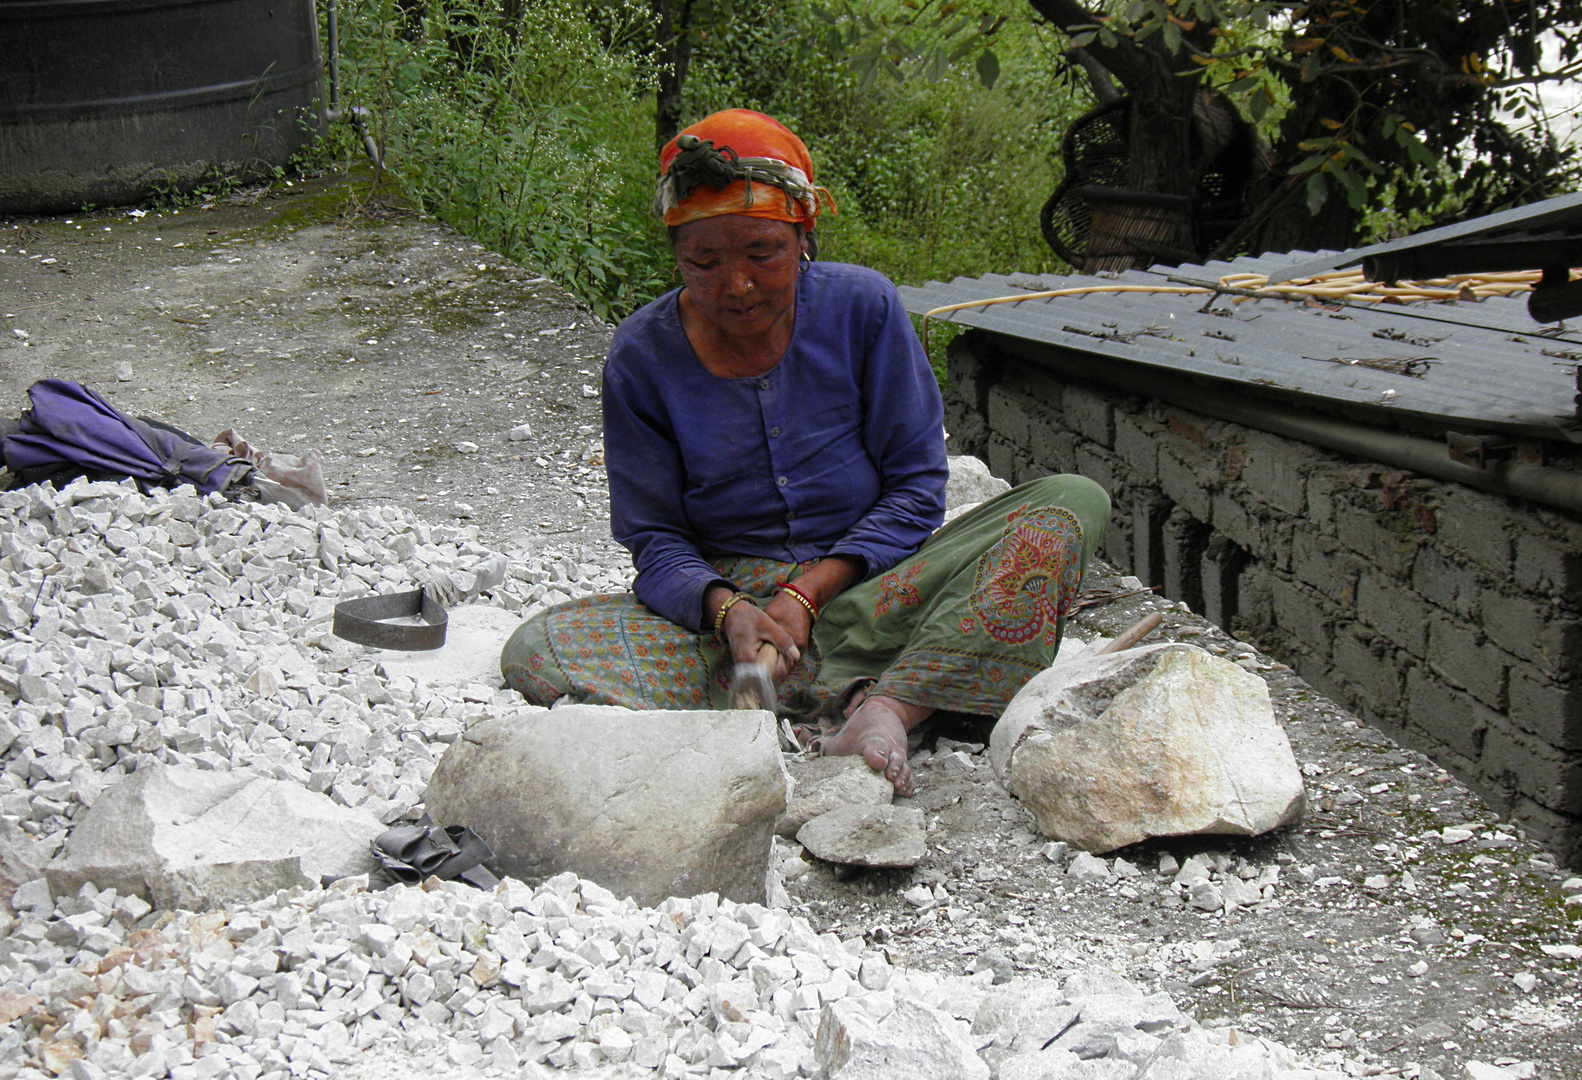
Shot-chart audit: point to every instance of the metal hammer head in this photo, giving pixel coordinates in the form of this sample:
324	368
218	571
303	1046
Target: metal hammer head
751	685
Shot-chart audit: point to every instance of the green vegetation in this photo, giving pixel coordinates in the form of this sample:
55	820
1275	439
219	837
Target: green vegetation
530	128
529	124
520	125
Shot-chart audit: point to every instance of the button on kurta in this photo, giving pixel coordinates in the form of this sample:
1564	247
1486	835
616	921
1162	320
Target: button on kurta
782	481
774	432
763	384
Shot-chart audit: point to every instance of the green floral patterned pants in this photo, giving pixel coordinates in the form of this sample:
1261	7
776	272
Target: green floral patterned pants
961	625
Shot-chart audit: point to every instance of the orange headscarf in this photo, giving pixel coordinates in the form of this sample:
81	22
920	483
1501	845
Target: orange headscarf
771	174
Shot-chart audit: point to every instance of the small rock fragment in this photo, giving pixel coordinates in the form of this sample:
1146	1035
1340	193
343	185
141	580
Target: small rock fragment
822	784
888	836
914	1041
1088	869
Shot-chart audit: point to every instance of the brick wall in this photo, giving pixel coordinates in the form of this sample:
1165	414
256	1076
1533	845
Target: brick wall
1447	616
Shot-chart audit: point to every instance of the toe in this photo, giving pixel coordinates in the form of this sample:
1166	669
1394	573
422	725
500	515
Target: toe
899	774
878	759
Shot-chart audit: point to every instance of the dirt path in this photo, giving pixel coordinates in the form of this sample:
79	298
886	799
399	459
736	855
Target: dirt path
405	353
408	355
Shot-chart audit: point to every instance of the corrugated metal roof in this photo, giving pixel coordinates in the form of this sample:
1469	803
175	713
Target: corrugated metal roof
1518	239
1473	364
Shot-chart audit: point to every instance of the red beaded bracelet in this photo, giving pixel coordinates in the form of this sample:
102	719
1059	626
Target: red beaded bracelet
802	598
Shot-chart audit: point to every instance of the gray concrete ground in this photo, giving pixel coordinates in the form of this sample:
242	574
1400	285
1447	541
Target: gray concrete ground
408	354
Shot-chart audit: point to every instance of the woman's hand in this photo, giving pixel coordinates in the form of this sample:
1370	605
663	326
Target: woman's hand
792	617
784	621
748	628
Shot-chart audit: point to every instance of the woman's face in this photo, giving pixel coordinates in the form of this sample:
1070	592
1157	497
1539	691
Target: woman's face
740	272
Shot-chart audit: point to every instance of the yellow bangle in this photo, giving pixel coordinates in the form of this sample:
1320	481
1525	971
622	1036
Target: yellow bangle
801	598
731	600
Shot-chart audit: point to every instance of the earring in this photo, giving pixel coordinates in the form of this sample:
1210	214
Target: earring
675	273
807	262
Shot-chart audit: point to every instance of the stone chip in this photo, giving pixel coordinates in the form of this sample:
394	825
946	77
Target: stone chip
878	836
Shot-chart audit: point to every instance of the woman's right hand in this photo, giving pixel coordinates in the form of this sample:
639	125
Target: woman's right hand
748	628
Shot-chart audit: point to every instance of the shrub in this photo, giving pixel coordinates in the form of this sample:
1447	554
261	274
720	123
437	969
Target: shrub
521	126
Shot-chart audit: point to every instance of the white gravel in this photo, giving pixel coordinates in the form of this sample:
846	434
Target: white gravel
173	628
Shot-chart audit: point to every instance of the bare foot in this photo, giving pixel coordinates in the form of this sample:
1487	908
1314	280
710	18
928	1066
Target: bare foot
808	735
877	730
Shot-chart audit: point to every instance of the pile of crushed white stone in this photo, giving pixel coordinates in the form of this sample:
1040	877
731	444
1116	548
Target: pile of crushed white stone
175	629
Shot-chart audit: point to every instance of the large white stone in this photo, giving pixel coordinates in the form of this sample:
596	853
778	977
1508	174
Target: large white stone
189	838
914	1041
1165	740
647	804
19	862
970	483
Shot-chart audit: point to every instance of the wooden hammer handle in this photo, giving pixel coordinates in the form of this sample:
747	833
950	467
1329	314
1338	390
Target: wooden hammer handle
1142	629
766	658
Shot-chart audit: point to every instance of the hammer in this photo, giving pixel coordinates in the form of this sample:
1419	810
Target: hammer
751	686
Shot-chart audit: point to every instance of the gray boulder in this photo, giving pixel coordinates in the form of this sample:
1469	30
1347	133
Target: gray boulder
1165	740
969	484
647	804
184	837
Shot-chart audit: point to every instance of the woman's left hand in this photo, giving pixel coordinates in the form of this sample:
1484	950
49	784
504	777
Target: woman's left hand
791	617
820	583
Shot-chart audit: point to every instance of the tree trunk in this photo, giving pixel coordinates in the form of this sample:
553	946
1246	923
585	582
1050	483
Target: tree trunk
1161	163
1292	226
673	33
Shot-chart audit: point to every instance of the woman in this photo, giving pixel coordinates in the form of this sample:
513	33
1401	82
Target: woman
773	435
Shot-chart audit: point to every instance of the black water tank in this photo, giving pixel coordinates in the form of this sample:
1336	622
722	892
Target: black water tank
106	102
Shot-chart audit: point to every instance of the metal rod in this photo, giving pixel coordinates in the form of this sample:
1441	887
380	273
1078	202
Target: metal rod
355	116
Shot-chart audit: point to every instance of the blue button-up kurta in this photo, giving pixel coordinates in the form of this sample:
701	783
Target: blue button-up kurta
838	450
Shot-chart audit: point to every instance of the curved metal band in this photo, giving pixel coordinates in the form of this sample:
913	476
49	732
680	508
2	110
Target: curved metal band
361	620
